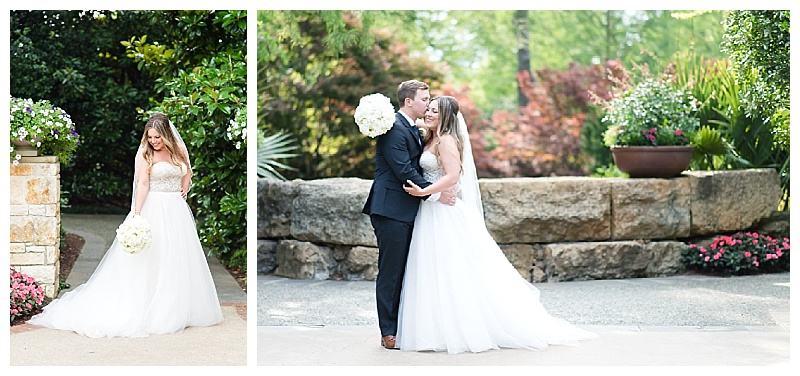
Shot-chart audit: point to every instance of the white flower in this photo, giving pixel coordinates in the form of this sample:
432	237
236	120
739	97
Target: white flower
135	234
374	115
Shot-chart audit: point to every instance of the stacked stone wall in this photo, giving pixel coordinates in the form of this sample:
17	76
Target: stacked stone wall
35	220
550	229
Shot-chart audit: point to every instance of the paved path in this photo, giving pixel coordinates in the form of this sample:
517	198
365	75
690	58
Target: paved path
679	321
222	344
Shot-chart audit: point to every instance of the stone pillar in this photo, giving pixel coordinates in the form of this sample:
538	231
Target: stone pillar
36	220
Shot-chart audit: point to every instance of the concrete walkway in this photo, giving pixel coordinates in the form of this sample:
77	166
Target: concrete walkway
222	344
674	321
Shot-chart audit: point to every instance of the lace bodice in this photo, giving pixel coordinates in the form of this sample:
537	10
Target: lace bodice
432	170
165	177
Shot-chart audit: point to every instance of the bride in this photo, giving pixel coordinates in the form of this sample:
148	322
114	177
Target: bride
460	293
168	286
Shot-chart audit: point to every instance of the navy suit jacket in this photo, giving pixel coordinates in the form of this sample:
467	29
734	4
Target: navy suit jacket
396	160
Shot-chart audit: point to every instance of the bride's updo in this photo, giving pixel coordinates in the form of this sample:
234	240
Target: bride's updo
160	123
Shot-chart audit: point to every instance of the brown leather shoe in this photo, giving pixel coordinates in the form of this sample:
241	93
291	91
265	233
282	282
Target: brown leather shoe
389	342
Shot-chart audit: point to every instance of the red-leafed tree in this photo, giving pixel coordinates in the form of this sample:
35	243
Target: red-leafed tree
544	138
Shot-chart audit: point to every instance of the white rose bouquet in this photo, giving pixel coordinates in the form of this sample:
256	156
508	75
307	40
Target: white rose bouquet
374	115
134	234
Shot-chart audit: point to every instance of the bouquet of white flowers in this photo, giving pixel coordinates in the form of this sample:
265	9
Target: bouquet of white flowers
134	234
374	115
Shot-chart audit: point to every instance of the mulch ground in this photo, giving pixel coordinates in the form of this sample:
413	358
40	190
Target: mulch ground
71	248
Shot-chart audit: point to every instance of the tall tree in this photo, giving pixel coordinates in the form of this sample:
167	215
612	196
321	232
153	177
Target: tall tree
309	88
522	28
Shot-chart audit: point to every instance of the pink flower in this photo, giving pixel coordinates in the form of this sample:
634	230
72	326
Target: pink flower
707	258
779	253
679	132
747	254
717	256
755	263
755	241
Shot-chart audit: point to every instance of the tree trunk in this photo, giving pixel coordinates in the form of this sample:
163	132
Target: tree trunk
522	29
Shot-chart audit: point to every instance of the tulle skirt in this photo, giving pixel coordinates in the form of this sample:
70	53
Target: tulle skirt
460	293
161	290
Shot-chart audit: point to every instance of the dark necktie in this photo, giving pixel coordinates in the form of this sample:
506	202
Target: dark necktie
416	133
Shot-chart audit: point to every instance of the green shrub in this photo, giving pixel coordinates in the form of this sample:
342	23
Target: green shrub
206	100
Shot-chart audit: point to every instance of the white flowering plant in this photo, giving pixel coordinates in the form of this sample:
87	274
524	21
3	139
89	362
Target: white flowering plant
652	113
237	128
48	128
374	115
135	234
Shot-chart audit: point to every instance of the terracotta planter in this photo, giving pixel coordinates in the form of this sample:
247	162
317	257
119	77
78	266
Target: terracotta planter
652	161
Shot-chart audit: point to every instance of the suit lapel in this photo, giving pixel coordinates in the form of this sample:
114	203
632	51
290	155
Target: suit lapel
408	128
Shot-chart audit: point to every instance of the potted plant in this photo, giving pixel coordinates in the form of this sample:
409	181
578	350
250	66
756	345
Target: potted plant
650	128
41	127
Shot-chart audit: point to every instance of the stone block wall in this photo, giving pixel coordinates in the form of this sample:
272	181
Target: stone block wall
550	229
35	220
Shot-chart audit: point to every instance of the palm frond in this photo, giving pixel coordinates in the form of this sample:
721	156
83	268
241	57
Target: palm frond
270	149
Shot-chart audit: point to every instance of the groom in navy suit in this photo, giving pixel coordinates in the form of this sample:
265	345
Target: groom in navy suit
391	209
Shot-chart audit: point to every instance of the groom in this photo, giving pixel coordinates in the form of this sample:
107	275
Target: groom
391	209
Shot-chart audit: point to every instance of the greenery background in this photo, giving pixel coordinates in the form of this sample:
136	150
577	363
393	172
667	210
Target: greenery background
522	79
110	69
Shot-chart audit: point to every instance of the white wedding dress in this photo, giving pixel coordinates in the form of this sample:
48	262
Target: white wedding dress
161	290
461	294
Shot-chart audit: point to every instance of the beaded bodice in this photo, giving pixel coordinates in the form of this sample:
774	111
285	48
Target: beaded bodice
432	170
166	177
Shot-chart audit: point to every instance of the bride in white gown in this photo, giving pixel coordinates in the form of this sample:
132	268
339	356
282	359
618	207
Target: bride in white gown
163	289
460	293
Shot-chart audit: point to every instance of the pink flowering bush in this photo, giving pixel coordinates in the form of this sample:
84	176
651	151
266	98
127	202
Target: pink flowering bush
740	253
26	295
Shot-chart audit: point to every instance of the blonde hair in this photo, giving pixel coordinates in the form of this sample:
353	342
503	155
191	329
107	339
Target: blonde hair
161	124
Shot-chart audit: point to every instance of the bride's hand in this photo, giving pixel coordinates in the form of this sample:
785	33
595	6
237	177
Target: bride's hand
414	189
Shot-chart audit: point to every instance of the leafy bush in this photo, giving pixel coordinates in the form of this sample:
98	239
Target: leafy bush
740	253
736	138
97	86
758	42
309	90
204	87
26	297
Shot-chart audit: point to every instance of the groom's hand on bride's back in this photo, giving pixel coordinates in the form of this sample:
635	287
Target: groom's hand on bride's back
448	197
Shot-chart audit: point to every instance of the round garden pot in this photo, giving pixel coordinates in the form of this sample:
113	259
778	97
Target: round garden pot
652	161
